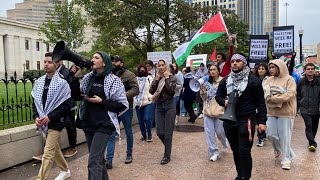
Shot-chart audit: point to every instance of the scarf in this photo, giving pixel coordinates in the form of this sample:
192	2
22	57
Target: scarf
113	89
139	98
161	84
238	81
59	91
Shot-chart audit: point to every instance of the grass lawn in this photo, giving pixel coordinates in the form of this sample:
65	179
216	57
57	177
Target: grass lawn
12	113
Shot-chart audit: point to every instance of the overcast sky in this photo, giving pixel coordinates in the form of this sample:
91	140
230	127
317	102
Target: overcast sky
301	13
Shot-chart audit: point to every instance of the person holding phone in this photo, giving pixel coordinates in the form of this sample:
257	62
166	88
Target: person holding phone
162	90
104	98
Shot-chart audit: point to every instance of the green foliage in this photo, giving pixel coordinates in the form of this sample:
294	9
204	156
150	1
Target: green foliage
132	28
66	23
33	74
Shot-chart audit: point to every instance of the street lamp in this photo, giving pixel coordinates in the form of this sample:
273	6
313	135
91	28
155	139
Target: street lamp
300	35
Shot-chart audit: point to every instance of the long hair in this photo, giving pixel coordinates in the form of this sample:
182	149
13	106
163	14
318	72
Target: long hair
256	69
211	78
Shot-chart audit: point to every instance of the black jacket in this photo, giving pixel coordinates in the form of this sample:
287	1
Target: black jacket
252	99
57	116
308	96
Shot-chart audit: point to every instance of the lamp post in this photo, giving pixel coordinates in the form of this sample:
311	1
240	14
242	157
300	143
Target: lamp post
300	35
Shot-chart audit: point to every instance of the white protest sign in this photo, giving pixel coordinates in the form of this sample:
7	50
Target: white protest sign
156	56
196	60
259	49
283	40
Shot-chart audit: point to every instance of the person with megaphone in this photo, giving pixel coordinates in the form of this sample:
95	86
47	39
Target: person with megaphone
188	95
212	111
245	95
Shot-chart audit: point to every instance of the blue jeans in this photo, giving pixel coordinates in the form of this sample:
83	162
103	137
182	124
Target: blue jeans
145	117
126	120
182	109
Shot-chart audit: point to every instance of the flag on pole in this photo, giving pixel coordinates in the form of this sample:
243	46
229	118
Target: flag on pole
213	55
213	29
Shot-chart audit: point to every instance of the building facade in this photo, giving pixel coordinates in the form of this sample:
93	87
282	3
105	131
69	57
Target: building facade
261	15
32	11
21	47
36	12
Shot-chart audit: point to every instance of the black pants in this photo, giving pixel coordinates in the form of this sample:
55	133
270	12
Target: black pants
188	106
311	122
165	118
71	129
238	137
97	142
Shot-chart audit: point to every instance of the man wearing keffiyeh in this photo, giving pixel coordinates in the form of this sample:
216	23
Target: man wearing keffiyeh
250	98
52	100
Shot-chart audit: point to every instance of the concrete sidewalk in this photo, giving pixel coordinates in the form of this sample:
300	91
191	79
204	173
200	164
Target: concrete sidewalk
189	160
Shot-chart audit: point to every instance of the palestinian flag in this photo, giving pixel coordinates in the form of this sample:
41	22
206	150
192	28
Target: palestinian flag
285	58
299	69
195	62
213	29
317	68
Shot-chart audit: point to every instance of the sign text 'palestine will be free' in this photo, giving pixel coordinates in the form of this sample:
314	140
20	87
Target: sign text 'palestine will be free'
283	41
258	49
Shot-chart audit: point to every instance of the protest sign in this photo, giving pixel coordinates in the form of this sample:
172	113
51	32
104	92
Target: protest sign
258	52
283	40
196	60
156	56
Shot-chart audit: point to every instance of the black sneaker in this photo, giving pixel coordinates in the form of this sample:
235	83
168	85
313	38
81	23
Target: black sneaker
143	138
109	165
128	159
149	139
165	160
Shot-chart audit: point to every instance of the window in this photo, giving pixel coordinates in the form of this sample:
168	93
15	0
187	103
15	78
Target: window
47	47
27	65
38	46
229	5
38	65
26	44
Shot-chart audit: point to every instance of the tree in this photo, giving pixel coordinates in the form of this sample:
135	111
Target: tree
145	25
66	23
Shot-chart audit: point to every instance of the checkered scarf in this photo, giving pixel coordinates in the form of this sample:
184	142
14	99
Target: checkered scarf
59	91
113	89
238	81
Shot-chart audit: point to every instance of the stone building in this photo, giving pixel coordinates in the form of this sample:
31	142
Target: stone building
21	47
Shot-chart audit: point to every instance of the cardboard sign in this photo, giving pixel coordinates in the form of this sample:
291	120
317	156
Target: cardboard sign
196	60
283	40
258	48
156	56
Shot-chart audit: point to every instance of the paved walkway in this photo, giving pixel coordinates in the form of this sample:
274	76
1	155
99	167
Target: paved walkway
189	161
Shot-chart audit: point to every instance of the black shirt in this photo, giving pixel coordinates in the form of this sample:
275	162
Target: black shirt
97	117
45	91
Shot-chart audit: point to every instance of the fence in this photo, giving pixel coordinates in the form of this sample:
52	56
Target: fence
16	100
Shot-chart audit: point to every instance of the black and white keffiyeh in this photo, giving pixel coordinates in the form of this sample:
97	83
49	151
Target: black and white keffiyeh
59	91
139	98
238	81
114	90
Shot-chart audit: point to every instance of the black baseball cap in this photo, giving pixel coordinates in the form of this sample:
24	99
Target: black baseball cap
116	58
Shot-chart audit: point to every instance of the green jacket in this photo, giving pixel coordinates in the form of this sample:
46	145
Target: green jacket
130	83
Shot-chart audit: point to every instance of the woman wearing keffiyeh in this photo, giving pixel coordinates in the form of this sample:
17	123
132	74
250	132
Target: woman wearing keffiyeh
143	103
104	98
52	100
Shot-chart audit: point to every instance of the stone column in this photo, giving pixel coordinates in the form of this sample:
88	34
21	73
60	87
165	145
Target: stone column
2	60
9	54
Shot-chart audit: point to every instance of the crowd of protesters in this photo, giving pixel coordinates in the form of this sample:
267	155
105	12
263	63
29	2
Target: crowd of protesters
268	100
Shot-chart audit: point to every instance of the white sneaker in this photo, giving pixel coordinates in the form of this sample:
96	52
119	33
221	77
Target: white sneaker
200	116
286	165
215	157
63	175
